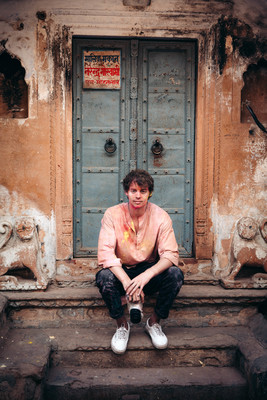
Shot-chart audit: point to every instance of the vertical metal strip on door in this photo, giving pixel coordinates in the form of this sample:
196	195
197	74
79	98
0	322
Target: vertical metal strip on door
133	102
101	150
166	119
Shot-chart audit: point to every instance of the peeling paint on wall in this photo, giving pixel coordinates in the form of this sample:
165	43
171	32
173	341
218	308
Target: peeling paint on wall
222	226
260	176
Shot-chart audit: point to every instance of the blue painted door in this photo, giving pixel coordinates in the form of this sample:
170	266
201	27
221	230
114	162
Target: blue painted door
146	121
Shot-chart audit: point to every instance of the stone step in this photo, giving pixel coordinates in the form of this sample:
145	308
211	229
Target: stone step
210	383
187	347
195	306
220	347
24	361
204	357
90	346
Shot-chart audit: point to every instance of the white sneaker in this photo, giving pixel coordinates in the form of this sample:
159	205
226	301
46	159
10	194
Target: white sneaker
159	339
135	310
120	339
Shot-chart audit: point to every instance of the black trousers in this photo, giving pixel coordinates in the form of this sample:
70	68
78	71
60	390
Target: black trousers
167	284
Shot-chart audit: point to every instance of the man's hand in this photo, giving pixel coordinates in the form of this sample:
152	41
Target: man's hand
136	297
135	288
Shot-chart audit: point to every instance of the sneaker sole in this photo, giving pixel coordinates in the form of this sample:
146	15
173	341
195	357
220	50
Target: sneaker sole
118	352
135	315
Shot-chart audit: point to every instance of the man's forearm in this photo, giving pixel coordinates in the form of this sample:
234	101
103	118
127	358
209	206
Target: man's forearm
160	267
121	275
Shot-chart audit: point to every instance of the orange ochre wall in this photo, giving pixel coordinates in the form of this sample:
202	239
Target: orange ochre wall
36	152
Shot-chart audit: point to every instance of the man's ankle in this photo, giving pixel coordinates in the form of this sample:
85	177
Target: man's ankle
122	322
154	319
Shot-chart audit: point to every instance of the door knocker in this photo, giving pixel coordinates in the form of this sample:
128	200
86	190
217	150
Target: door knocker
157	148
110	146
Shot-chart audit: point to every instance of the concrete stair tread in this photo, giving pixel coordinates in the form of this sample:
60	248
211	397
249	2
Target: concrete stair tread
91	338
178	337
87	376
90	346
176	383
26	352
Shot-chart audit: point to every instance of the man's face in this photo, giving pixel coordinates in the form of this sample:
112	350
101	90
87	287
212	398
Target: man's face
138	196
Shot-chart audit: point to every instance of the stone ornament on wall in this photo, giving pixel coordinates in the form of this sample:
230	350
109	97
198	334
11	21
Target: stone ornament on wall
20	255
249	249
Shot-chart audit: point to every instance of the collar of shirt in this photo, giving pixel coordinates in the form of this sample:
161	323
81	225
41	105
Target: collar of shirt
142	220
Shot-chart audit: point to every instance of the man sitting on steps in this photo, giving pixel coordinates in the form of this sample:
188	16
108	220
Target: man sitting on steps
138	253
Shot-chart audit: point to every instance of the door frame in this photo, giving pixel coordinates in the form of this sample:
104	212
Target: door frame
206	174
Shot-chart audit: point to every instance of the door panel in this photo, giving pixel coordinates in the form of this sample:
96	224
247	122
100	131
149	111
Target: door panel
152	109
93	152
98	120
170	196
99	103
172	156
167	95
162	111
90	225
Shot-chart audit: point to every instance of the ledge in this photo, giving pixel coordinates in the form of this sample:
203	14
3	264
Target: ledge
204	293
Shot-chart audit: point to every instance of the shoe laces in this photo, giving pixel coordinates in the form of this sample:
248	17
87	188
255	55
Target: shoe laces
157	329
121	332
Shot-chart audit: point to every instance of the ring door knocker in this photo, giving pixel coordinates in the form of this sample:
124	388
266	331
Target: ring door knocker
157	148
110	146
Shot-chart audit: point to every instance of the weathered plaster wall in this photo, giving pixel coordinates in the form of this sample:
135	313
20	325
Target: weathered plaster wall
36	156
240	173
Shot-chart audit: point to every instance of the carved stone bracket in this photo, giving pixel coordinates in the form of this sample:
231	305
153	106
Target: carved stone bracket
20	256
249	249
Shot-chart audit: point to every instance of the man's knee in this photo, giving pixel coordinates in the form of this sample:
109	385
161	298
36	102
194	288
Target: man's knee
175	274
103	277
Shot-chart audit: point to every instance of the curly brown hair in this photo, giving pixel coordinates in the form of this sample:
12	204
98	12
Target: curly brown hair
141	177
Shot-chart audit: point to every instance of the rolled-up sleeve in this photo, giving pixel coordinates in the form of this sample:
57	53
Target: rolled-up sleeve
167	245
107	243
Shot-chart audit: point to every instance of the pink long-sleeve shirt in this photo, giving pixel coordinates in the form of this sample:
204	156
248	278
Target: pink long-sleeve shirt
120	244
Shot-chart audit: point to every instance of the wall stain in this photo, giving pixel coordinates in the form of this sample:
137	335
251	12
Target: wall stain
243	39
61	52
